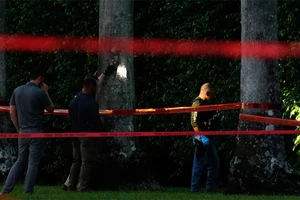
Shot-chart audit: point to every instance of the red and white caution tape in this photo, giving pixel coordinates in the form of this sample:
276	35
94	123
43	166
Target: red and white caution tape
150	111
144	134
269	120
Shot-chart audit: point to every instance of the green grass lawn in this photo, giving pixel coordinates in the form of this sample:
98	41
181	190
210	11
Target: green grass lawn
55	193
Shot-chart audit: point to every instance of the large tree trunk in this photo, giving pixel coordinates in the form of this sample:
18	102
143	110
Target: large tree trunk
118	92
259	164
7	153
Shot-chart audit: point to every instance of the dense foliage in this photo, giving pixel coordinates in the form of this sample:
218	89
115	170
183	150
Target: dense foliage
160	81
289	26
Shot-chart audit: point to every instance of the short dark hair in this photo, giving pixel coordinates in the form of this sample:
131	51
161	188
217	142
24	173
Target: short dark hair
207	86
36	72
90	80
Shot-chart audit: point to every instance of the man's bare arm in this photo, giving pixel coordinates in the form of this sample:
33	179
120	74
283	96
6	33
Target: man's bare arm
196	129
112	67
100	79
49	108
14	117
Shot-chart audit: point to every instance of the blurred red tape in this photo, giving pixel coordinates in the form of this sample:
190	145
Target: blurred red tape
152	46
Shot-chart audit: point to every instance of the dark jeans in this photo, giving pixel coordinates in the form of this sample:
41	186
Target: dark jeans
30	154
84	160
208	159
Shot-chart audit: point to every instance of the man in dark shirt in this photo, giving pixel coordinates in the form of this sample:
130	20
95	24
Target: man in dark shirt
84	116
27	106
205	154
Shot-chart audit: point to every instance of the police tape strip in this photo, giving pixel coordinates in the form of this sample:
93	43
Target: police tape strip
149	111
268	106
153	46
269	120
144	134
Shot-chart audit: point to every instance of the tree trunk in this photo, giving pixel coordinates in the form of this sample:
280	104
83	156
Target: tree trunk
118	92
7	153
259	163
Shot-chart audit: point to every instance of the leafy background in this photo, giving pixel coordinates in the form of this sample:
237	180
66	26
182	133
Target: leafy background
160	81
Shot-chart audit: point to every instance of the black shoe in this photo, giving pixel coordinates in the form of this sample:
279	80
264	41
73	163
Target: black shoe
29	193
64	187
211	190
72	188
85	190
4	193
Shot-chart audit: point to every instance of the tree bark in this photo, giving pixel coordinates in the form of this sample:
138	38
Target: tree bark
7	152
259	165
118	92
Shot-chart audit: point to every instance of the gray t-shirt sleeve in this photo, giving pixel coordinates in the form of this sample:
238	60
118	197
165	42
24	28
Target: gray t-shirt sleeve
12	99
44	99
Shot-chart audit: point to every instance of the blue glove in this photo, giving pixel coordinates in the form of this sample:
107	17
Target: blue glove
205	140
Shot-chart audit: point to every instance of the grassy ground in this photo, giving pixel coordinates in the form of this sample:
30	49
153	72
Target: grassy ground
55	193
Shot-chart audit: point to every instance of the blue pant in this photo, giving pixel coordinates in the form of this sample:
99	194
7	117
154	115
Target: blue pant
207	159
30	153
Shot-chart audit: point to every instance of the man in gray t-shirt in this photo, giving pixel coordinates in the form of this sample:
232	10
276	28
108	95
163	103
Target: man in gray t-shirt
27	106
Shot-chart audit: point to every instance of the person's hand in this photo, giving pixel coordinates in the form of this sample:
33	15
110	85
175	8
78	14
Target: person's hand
115	60
110	69
205	140
43	86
